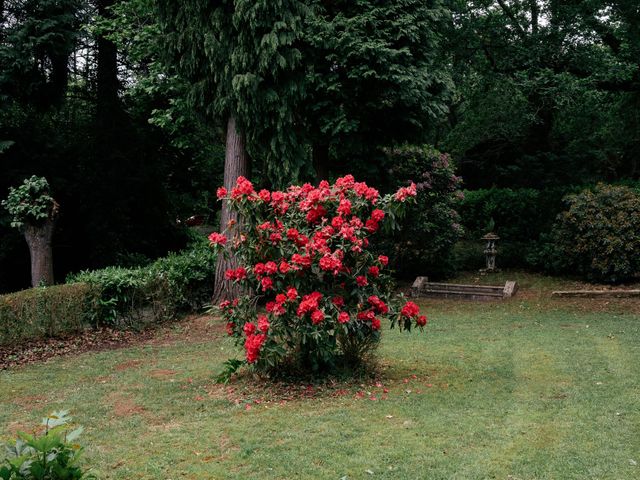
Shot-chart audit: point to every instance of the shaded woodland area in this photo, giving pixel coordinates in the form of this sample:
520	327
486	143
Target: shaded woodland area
103	99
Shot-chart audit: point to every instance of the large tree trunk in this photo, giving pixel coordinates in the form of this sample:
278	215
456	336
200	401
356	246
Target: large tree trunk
236	164
39	240
107	84
320	159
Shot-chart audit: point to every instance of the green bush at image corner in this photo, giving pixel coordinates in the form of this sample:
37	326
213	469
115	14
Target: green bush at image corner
52	455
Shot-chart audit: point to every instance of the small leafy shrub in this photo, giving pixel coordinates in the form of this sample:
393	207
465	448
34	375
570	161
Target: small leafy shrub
134	296
54	455
306	253
431	225
30	203
598	236
45	312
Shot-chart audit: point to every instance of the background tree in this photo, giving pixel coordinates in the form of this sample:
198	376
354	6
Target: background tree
34	212
545	89
375	78
243	66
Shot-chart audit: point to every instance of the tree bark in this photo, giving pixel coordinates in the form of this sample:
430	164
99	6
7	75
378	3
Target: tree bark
107	84
320	159
236	164
39	238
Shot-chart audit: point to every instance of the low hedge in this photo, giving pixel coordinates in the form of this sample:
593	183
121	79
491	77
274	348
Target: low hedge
45	312
131	297
115	296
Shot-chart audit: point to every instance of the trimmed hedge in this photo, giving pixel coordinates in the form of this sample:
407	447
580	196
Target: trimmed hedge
45	312
158	292
116	297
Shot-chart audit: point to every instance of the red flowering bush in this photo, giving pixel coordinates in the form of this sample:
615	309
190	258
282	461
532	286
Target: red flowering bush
304	253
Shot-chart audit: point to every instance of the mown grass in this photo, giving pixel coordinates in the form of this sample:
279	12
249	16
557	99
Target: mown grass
530	388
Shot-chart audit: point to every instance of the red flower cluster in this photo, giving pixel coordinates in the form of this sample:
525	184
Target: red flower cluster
217	238
239	273
307	255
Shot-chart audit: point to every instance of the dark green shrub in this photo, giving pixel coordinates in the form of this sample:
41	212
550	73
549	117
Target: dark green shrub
598	236
45	312
430	229
518	216
53	455
158	292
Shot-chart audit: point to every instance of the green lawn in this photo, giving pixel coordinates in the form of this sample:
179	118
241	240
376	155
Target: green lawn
525	389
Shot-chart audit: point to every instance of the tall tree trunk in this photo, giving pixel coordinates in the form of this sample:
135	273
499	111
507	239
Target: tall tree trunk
39	238
107	101
236	164
320	159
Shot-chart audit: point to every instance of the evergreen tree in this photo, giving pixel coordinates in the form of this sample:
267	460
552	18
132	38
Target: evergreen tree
243	64
376	77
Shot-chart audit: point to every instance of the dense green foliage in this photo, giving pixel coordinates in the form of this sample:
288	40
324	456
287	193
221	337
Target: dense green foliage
518	216
376	77
241	60
52	455
598	236
131	297
547	91
122	106
424	243
29	203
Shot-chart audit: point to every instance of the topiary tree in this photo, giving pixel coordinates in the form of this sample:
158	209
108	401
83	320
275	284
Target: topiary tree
34	212
598	236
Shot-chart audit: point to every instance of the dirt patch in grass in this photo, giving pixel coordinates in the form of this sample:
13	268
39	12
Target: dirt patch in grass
124	406
30	402
161	373
128	365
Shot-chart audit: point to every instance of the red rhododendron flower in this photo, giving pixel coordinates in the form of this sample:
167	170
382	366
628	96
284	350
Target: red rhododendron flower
284	267
275	308
249	328
365	316
371	226
344	208
402	194
292	293
309	303
377	215
221	193
362	281
317	317
292	234
263	323
267	283
343	317
264	195
270	268
375	324
217	238
281	298
421	320
275	238
230	327
383	259
252	345
374	271
338	301
410	310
